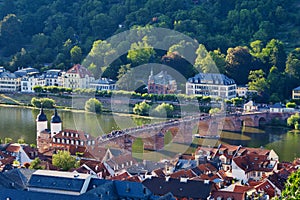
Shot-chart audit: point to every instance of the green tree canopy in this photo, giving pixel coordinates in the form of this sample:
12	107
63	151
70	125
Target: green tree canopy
163	110
47	102
294	120
11	34
238	64
259	83
64	160
141	108
76	54
93	105
292	186
36	164
140	53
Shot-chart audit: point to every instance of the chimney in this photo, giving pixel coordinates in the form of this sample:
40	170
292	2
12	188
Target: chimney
167	178
183	180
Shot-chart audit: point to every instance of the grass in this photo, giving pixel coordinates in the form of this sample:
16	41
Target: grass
9	100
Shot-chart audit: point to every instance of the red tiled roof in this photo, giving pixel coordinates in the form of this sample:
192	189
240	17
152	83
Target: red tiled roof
80	70
259	151
242	188
121	177
14	148
254	162
97	152
266	187
228	194
183	173
8	160
134	179
96	166
32	153
296	161
254	183
207	167
159	172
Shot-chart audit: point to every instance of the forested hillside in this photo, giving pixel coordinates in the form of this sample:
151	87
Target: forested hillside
241	36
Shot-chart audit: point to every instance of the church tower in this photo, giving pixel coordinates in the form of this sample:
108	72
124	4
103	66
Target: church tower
56	124
41	122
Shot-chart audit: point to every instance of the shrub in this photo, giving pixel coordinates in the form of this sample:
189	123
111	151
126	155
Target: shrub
163	110
47	102
93	105
141	108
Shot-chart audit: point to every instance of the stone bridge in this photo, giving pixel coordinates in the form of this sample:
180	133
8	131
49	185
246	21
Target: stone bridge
182	130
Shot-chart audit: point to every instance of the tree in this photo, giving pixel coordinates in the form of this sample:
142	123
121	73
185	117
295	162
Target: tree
22	58
76	54
293	64
237	101
163	110
258	82
47	102
11	34
40	41
36	164
64	160
292	186
185	49
238	64
274	54
7	140
93	105
204	61
174	60
37	89
140	53
141	108
291	105
219	60
294	121
101	55
276	81
21	141
214	111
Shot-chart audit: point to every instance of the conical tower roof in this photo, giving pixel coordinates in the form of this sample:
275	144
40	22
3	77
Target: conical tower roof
41	117
55	118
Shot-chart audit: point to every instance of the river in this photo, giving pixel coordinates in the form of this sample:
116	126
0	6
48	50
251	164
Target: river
16	122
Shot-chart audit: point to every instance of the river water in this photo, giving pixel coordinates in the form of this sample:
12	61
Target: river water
18	123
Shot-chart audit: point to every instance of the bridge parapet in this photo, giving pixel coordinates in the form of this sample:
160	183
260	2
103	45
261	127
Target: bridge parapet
207	125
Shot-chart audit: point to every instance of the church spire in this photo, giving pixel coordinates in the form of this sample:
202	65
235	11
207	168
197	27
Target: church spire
41	116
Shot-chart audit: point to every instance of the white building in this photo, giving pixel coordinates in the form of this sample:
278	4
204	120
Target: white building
78	77
252	167
32	79
277	108
209	84
296	93
103	84
250	107
9	82
53	77
243	91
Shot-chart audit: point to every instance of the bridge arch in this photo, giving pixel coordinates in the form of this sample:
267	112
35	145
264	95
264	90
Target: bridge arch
248	121
262	122
228	125
203	127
